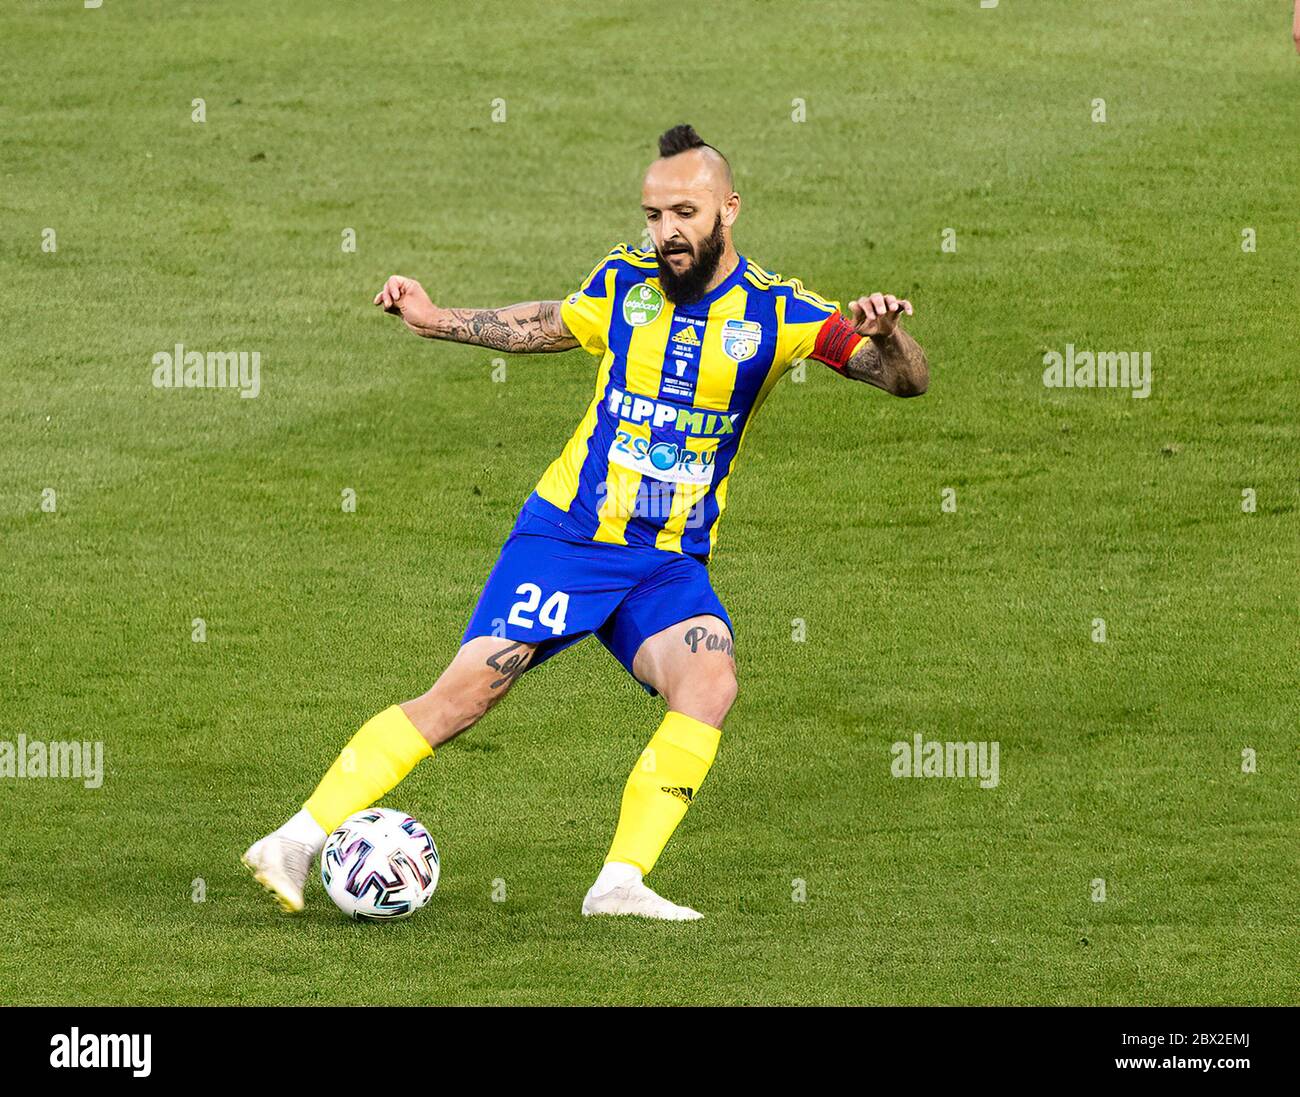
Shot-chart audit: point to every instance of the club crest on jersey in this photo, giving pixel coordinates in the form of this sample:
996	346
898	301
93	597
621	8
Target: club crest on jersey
740	339
642	304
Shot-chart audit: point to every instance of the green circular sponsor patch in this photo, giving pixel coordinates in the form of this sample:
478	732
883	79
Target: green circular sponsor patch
642	304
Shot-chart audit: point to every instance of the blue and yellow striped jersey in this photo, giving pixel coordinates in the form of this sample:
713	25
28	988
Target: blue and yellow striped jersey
651	460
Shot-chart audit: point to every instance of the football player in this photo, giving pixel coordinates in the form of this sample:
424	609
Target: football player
690	338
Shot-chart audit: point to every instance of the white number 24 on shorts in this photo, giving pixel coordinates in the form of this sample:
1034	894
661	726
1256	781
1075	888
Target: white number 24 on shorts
552	613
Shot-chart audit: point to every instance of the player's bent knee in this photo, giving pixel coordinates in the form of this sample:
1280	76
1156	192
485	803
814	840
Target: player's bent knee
707	695
725	688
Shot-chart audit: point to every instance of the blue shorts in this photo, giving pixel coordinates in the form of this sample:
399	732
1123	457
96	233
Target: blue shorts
552	593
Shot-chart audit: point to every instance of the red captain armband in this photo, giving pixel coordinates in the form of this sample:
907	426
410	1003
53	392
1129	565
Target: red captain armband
836	342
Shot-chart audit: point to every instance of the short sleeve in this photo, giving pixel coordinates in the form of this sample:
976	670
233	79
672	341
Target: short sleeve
586	313
803	316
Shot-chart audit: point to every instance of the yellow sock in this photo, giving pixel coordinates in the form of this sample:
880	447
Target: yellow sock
376	758
663	783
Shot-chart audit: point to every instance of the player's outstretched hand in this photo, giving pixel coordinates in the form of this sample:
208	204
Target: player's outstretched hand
878	314
405	297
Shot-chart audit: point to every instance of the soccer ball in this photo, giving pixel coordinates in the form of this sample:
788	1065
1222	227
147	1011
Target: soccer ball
380	865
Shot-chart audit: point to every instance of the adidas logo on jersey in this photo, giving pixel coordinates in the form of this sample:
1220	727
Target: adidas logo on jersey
688	337
685	795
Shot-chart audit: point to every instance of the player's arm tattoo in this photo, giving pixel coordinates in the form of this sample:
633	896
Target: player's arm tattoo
521	329
895	363
510	662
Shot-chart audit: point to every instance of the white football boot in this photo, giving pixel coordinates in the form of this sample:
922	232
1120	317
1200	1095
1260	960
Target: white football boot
281	865
619	890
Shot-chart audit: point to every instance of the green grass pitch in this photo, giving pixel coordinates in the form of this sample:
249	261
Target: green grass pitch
1121	761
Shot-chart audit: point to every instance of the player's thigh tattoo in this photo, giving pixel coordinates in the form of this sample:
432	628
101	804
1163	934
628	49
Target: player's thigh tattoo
509	661
708	638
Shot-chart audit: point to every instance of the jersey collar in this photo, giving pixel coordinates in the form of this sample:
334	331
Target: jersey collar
721	288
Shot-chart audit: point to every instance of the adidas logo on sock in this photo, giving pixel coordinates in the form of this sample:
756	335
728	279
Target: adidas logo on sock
685	795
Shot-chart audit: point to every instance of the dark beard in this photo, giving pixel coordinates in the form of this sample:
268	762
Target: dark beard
689	286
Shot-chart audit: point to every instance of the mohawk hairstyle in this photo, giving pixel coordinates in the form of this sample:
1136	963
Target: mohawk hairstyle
683	138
